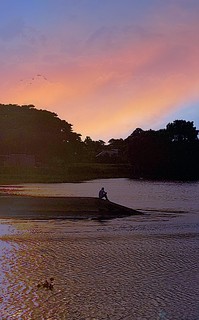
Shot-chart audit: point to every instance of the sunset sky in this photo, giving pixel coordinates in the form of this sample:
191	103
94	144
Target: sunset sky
105	66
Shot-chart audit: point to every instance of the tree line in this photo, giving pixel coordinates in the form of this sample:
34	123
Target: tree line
170	153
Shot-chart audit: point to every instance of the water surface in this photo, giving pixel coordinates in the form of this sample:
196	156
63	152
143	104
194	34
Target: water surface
137	194
141	267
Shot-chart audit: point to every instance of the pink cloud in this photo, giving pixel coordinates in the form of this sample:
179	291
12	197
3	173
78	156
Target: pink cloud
107	93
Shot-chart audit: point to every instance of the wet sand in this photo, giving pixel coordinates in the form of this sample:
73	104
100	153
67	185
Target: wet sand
29	207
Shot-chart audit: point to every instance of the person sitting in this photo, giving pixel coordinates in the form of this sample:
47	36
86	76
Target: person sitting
103	194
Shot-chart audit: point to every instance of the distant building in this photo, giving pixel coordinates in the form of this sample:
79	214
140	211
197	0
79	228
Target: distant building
112	153
17	160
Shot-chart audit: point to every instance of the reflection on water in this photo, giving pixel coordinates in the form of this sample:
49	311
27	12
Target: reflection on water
134	268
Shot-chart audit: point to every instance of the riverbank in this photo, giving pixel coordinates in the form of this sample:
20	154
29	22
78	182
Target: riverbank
44	208
66	173
77	172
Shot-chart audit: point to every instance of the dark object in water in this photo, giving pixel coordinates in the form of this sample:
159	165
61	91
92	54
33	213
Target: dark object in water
49	285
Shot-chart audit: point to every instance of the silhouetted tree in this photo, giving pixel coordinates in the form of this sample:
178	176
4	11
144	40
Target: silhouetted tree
184	149
171	153
92	148
25	129
182	130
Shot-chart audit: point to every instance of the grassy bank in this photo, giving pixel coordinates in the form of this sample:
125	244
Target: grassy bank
67	173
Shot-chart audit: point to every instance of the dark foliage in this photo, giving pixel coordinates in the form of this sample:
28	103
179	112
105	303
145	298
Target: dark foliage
25	129
171	153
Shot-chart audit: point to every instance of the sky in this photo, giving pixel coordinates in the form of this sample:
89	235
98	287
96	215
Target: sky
105	66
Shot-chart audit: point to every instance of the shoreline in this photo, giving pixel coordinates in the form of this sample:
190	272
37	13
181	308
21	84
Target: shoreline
46	208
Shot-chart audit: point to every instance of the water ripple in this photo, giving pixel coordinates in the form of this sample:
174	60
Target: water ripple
100	271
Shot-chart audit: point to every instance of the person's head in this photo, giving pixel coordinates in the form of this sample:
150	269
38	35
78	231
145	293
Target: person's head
102	188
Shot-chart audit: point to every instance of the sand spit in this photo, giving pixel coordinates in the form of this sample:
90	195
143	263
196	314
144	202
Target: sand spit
26	207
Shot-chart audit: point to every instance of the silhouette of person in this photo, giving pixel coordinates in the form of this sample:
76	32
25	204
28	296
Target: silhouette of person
103	194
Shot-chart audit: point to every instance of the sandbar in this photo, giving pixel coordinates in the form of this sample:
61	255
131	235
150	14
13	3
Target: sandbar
45	208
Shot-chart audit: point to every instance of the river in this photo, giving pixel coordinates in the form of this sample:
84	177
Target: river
135	268
137	194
